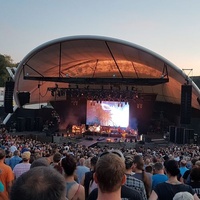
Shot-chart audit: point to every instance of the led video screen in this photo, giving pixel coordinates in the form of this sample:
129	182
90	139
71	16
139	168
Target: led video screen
107	113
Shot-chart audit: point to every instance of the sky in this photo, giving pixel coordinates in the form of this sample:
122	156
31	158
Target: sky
169	28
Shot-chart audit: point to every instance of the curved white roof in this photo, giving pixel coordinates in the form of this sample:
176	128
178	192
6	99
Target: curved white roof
98	57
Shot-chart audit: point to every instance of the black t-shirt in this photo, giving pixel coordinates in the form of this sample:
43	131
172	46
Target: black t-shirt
166	191
186	174
88	178
126	192
196	187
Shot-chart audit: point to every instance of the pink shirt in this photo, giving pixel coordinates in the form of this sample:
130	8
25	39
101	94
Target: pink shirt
20	168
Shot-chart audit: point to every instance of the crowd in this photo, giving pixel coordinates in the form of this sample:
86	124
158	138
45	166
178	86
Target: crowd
30	169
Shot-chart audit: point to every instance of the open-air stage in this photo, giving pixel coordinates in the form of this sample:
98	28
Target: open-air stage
116	141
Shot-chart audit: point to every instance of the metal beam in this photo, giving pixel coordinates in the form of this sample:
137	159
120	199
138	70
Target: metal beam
102	81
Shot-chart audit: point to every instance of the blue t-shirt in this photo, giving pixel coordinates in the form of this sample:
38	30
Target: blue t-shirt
1	187
158	178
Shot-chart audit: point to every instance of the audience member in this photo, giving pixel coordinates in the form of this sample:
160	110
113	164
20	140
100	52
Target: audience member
20	168
159	176
183	167
195	179
183	196
168	189
39	162
111	169
131	181
74	190
6	176
81	169
149	169
110	176
87	179
56	162
15	159
186	175
140	174
39	183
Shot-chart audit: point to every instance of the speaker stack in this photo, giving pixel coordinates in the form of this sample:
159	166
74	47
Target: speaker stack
186	97
23	97
181	135
8	96
172	132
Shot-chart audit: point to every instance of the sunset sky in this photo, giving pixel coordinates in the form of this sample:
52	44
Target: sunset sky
169	28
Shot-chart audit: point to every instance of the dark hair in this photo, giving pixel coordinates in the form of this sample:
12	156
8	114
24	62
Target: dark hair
128	161
195	174
2	154
158	166
149	168
47	182
139	162
69	164
57	157
193	161
94	160
172	167
16	153
40	162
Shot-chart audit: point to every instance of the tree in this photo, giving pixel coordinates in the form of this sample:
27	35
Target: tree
5	61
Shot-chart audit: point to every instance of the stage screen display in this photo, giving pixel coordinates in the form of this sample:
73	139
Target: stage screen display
108	113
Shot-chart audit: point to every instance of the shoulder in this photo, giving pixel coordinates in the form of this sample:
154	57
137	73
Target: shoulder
130	177
93	195
162	185
127	192
5	167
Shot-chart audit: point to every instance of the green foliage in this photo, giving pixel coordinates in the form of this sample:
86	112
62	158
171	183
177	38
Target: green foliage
5	61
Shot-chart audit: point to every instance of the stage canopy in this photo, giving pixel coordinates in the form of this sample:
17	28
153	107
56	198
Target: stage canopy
88	65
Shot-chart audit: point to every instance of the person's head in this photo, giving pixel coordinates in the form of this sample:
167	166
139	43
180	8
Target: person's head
2	154
138	162
195	174
82	161
183	196
197	163
154	159
172	168
93	161
158	167
57	157
69	164
39	183
16	153
147	161
128	161
110	172
183	163
149	169
26	156
193	161
40	162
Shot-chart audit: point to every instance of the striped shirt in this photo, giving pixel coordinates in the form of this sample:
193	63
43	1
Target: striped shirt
136	184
